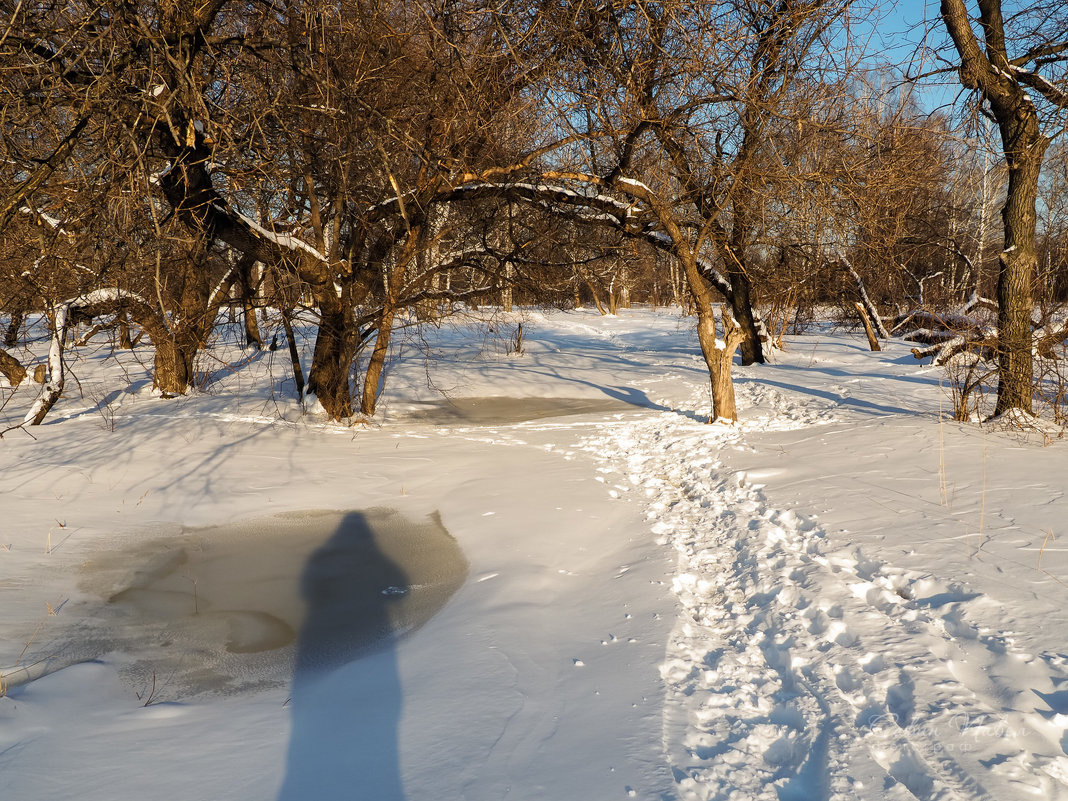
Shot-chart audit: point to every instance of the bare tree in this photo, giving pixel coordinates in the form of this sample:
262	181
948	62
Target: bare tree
312	139
679	99
1017	65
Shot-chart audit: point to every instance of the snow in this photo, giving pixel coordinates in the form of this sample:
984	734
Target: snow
635	184
53	222
282	240
845	595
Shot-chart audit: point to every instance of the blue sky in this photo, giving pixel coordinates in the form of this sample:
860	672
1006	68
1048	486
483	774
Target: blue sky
900	30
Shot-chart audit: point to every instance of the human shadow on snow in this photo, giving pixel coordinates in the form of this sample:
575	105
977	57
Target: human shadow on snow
346	696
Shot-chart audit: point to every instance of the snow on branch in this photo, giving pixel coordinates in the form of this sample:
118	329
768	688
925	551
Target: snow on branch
596	208
976	302
552	192
662	241
950	333
865	301
52	222
1049	90
91	304
285	241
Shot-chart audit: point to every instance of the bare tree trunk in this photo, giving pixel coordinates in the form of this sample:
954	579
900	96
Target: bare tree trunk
329	376
731	248
294	354
506	290
377	362
742	307
678	295
720	360
249	287
1005	85
125	340
724	408
178	343
11	335
718	354
53	387
1017	265
394	287
173	365
869	331
593	292
984	216
11	368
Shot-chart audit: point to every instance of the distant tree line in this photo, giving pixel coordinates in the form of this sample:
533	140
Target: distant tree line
371	162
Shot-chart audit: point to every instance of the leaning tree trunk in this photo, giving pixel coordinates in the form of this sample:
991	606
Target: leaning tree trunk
372	378
11	334
53	387
869	329
11	368
394	286
718	354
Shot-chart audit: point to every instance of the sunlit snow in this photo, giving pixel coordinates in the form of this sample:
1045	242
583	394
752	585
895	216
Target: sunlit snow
846	595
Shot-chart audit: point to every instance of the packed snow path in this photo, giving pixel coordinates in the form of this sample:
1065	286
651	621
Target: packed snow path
795	673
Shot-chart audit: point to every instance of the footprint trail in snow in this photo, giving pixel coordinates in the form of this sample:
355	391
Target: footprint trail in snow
800	669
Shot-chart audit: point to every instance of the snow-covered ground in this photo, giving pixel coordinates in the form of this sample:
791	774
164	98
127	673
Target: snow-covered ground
844	596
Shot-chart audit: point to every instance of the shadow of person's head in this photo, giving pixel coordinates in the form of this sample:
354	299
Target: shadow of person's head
351	588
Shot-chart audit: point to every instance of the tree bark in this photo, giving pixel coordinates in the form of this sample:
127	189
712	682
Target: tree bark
377	362
1017	264
11	335
11	368
328	379
718	354
869	331
990	71
173	366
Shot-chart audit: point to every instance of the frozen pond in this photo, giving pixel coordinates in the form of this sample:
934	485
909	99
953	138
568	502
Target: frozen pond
233	607
504	411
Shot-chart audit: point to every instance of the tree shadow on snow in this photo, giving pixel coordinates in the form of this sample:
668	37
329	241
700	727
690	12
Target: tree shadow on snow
346	693
876	409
